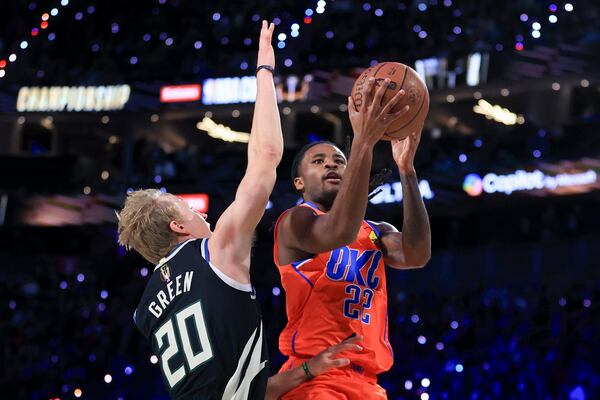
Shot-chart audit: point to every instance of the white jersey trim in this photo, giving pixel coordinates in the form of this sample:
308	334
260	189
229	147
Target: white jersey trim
244	287
177	249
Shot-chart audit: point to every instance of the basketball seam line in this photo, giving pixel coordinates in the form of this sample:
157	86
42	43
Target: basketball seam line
401	84
403	78
375	77
413	118
376	71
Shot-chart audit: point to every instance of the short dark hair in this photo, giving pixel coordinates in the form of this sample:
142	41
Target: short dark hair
375	181
300	156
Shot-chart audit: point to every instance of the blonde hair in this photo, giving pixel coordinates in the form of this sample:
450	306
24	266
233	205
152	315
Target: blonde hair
144	224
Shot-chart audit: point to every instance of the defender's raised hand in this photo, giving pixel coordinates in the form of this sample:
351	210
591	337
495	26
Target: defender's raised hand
266	55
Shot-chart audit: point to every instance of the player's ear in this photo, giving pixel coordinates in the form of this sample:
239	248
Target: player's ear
177	227
299	184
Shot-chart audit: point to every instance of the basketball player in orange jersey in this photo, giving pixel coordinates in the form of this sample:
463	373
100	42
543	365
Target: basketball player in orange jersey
332	261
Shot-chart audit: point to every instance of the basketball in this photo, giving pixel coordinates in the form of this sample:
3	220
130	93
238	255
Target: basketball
402	77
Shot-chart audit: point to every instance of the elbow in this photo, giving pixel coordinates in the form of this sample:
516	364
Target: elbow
425	257
411	258
421	260
408	260
271	154
420	265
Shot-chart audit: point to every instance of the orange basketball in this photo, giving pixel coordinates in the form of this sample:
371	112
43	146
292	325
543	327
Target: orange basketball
416	96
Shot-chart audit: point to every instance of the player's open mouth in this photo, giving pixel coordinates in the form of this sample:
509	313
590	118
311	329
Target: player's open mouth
332	177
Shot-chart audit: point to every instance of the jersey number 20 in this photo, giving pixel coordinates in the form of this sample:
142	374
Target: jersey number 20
176	332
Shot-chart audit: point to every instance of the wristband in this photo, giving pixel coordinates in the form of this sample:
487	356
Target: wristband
267	67
307	371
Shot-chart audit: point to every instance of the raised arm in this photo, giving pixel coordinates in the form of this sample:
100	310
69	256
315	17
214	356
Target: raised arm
232	238
303	231
410	248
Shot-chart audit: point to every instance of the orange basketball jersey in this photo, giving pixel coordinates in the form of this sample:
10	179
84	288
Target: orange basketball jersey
335	294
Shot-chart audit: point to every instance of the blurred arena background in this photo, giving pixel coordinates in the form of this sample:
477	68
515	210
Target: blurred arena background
100	97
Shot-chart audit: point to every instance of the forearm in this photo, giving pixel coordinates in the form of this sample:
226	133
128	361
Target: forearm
283	382
252	197
350	204
416	232
266	138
